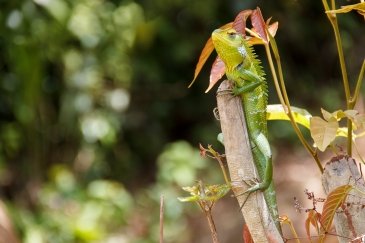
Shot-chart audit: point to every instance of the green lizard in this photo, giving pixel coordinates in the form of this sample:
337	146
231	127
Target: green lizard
244	69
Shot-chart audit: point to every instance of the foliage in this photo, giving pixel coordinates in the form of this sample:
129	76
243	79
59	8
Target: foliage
94	91
96	212
322	131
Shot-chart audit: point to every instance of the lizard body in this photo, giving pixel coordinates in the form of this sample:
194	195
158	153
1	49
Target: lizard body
245	71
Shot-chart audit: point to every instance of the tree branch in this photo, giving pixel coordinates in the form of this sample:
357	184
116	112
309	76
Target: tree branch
241	166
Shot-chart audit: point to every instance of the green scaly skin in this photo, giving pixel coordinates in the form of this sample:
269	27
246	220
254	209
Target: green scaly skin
244	69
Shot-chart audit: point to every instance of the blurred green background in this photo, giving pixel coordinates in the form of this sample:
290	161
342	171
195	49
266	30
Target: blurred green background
96	121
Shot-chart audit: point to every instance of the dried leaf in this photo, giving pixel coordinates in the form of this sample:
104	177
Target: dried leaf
327	115
259	24
239	23
359	121
351	114
323	132
339	114
207	50
359	7
216	73
334	200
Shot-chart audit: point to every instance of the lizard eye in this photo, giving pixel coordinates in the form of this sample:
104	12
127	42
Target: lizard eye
232	34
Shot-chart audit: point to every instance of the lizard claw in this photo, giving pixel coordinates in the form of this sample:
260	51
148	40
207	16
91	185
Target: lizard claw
254	185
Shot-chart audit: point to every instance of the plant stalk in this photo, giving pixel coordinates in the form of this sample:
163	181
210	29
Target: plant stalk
284	99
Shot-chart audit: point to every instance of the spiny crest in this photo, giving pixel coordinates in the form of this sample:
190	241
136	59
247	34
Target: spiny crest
254	59
257	66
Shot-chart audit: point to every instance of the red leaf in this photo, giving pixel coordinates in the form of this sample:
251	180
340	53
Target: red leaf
258	41
207	50
247	238
259	24
239	23
216	73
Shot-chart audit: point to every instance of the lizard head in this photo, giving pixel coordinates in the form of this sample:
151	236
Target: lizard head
229	45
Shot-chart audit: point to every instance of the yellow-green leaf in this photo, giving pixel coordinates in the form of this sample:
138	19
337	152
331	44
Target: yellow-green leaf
323	132
205	192
301	116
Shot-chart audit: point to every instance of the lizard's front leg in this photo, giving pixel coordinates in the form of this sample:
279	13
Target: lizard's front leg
252	81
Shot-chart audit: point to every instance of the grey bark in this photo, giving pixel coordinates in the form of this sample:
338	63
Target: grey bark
241	166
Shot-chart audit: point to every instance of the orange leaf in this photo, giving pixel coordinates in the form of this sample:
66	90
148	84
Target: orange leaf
216	73
259	24
207	50
247	238
239	23
312	219
334	200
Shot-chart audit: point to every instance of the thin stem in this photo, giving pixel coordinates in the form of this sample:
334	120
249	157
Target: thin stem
283	96
351	105
358	86
350	101
217	156
212	228
349	137
333	4
333	20
276	83
325	5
